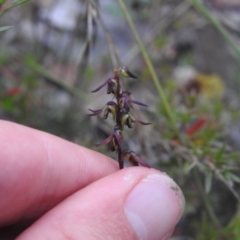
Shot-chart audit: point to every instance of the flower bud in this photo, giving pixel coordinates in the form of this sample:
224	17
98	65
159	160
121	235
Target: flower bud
126	73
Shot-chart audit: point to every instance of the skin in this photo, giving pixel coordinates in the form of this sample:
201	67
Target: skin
53	189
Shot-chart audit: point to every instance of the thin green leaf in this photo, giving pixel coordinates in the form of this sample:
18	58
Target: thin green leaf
231	156
12	5
194	148
188	167
233	177
218	156
208	182
208	135
5	28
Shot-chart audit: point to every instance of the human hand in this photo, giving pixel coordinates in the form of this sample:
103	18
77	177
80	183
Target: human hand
74	193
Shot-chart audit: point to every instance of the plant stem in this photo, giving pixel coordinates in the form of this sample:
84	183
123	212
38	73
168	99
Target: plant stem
120	161
206	201
118	121
146	57
12	5
217	25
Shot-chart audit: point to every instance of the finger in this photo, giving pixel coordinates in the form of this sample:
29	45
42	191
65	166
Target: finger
134	203
38	170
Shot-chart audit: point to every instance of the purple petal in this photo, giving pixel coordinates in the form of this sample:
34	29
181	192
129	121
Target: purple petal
141	122
94	111
92	114
141	162
138	103
101	86
111	103
104	142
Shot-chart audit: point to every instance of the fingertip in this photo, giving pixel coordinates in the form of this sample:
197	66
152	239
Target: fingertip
154	206
134	203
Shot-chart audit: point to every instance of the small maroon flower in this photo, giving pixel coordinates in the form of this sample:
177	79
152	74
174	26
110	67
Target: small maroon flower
133	159
111	107
114	140
126	101
112	86
128	119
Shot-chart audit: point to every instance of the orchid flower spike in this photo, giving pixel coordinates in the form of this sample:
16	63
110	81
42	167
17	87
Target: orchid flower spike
120	110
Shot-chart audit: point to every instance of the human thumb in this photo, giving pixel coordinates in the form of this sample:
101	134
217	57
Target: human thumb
134	203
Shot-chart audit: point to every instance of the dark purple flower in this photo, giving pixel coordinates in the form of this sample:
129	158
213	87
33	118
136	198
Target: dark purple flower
126	101
128	119
114	140
112	85
133	159
111	107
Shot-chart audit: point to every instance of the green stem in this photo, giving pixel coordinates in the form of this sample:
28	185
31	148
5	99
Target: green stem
12	5
206	201
146	57
217	25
